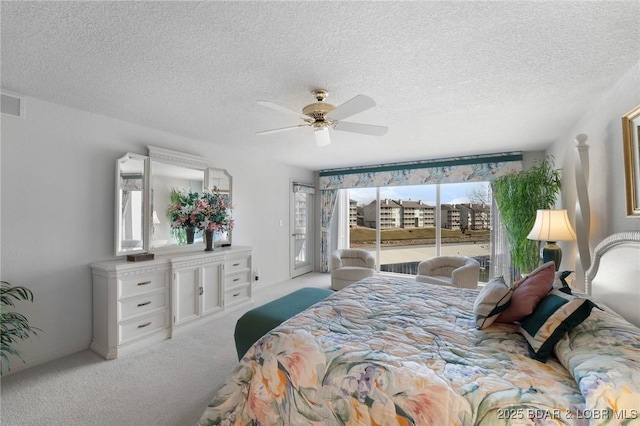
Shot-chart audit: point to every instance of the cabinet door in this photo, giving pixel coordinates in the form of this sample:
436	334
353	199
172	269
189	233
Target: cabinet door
186	294
212	288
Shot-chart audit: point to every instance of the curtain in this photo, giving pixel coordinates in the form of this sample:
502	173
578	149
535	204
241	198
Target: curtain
328	199
501	264
342	227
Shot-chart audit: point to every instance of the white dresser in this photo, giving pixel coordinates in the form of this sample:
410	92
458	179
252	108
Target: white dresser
139	303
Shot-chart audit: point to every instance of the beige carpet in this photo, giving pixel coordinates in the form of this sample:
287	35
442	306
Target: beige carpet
169	383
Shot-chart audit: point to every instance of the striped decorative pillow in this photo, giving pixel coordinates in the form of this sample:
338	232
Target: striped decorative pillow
492	299
553	317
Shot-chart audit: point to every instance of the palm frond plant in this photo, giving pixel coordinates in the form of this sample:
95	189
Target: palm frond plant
13	325
519	196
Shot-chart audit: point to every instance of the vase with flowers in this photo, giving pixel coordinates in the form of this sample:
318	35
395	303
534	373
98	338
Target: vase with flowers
181	214
213	213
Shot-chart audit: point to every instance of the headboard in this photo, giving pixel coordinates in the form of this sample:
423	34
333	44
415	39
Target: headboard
614	276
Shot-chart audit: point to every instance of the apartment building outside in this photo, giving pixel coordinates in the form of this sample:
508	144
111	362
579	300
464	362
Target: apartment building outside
353	213
417	214
390	214
474	216
449	216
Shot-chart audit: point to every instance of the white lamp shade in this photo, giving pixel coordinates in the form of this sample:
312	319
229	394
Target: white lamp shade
322	136
552	225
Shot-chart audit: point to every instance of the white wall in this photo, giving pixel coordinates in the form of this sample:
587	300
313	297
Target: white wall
58	174
602	124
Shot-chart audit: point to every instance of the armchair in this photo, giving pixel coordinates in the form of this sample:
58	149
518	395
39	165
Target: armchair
457	271
349	266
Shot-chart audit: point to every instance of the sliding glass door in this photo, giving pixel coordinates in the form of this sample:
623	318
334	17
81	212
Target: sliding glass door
301	244
403	225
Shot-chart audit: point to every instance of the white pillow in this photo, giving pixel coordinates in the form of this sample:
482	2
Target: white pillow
492	299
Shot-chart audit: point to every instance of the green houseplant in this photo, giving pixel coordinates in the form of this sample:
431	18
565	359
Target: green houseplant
13	326
519	196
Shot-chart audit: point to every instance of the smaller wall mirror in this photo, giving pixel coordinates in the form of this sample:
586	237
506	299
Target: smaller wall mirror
132	189
222	181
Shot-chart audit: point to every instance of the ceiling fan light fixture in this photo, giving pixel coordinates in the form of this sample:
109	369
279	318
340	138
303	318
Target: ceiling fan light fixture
321	116
322	136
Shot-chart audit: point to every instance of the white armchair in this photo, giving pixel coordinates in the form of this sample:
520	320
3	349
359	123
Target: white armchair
349	266
456	271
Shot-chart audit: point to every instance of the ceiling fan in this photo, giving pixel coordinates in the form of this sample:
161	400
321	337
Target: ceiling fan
321	116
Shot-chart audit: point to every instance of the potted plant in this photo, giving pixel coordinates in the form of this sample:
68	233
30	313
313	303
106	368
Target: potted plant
519	196
181	214
213	214
13	326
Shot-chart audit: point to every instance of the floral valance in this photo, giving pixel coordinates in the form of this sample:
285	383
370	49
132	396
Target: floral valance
449	170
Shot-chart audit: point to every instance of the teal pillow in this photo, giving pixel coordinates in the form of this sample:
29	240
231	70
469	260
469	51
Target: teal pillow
552	318
492	299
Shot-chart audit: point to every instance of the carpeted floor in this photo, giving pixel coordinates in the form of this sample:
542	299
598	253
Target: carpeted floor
169	383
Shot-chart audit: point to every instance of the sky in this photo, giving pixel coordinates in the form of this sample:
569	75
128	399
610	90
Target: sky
452	193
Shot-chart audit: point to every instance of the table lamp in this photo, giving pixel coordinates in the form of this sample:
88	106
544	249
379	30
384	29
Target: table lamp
552	226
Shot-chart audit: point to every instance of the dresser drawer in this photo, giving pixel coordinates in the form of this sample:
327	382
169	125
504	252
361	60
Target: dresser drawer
142	283
239	278
237	295
234	265
134	329
135	306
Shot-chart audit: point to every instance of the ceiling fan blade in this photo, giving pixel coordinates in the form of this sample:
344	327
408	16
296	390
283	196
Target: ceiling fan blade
367	129
281	129
280	108
351	107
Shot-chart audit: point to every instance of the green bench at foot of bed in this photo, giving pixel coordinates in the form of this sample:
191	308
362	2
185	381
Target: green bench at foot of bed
259	321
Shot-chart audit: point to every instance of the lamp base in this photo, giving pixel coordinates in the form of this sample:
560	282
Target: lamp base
552	252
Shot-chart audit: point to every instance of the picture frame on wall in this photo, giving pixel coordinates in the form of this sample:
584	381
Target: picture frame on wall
631	141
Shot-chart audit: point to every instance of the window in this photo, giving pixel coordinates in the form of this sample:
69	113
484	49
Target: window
403	225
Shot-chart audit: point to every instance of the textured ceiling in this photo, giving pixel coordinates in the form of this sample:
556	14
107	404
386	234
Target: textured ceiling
450	78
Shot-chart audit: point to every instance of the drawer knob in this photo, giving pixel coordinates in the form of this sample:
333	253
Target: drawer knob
236	264
236	294
236	279
146	324
144	303
144	283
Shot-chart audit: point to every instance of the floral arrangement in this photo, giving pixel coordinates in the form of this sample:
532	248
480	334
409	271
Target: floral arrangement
213	212
209	211
181	210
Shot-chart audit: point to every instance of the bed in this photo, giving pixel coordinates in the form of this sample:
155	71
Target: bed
390	351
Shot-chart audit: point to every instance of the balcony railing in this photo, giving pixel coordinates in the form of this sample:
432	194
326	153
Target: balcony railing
411	268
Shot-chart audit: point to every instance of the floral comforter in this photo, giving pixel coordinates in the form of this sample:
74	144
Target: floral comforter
396	352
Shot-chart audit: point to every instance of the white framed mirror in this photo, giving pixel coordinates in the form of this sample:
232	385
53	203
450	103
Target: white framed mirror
131	212
222	181
171	173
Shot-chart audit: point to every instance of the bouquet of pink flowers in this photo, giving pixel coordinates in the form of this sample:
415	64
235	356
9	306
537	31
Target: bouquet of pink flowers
212	212
181	210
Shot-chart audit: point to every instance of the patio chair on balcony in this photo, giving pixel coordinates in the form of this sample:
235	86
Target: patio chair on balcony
456	271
